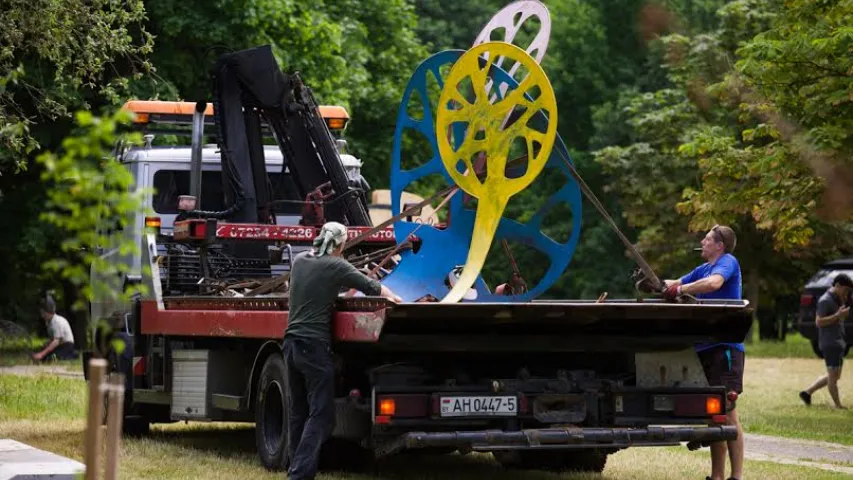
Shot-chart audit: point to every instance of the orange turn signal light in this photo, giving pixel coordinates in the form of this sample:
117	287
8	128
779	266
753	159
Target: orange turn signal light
713	406
152	222
387	406
336	123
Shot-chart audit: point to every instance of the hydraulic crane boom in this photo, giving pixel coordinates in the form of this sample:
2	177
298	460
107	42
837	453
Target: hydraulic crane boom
249	86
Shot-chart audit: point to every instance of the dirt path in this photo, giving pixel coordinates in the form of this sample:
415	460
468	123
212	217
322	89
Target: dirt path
792	451
60	370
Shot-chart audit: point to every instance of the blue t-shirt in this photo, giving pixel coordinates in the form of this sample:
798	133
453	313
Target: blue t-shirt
727	266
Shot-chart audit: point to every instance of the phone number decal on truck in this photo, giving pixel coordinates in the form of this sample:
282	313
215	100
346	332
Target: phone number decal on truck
294	233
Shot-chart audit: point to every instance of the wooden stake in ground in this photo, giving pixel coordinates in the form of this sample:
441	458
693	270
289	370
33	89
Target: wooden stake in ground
97	371
114	419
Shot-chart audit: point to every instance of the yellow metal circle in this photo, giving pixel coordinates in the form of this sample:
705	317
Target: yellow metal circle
485	132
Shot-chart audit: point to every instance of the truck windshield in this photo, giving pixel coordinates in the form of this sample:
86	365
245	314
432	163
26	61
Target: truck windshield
170	184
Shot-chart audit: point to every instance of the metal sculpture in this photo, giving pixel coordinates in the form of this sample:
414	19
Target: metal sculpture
429	271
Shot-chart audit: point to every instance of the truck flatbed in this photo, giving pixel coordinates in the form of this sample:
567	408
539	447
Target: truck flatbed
572	325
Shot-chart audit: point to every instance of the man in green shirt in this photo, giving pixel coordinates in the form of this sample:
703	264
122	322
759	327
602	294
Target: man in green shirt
316	279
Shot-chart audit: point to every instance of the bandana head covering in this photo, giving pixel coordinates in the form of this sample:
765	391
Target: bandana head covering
331	236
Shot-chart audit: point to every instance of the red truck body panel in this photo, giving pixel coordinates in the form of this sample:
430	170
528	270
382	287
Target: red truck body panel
358	326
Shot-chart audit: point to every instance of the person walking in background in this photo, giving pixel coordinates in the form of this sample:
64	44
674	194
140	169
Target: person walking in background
833	307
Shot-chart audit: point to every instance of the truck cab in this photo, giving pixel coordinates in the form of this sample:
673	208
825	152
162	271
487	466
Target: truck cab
164	172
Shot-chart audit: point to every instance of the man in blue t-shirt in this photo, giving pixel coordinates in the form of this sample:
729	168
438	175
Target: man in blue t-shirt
723	363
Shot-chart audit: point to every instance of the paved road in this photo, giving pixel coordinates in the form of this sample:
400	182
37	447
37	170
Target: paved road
60	370
792	451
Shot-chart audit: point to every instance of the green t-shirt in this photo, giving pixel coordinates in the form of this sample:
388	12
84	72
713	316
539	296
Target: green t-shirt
315	283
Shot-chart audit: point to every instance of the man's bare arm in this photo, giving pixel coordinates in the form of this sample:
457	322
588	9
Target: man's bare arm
49	348
705	285
830	319
387	293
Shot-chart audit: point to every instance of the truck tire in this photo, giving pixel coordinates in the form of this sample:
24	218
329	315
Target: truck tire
135	426
271	414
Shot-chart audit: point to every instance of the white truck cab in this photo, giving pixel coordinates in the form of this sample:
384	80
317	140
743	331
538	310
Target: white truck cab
164	172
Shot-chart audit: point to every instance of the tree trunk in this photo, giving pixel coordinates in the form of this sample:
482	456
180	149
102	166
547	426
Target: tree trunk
753	287
76	318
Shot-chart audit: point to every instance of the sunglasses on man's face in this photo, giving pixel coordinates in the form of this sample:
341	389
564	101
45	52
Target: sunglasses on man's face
718	234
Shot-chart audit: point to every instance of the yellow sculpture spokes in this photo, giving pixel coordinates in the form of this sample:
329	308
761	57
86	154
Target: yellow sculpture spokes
481	116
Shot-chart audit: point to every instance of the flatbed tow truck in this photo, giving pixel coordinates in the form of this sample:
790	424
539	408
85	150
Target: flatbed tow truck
555	385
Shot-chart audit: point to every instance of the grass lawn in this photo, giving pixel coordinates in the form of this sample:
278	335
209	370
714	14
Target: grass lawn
16	351
770	405
48	412
794	346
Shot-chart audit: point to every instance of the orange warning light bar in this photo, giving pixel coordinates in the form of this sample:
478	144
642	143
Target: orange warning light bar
148	111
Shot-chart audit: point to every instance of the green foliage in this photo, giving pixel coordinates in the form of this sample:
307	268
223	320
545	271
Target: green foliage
384	32
59	55
90	197
803	67
579	66
718	146
355	53
451	24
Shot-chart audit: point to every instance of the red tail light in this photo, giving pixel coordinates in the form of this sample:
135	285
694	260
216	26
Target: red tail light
806	300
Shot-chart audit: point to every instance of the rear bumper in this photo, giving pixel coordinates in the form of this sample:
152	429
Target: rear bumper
557	438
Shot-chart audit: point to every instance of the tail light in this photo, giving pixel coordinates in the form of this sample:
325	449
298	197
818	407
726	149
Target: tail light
152	224
387	406
698	405
713	406
401	406
806	300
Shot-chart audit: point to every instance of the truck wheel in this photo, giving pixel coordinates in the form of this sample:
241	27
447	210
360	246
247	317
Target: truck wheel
136	426
271	414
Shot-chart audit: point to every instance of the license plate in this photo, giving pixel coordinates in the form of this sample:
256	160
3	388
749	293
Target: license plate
475	406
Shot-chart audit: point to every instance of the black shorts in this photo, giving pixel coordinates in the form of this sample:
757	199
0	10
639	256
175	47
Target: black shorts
723	365
833	356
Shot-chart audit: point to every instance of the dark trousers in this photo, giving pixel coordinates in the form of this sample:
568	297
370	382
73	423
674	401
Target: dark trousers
63	351
311	407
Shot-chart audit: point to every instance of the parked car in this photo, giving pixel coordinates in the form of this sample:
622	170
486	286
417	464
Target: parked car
814	288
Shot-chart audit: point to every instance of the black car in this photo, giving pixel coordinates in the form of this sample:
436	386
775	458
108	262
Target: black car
815	287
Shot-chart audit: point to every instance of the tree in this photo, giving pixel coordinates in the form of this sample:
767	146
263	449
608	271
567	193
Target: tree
88	200
719	146
56	57
358	54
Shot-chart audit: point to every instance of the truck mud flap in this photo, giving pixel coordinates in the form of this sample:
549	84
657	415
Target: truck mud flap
558	438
